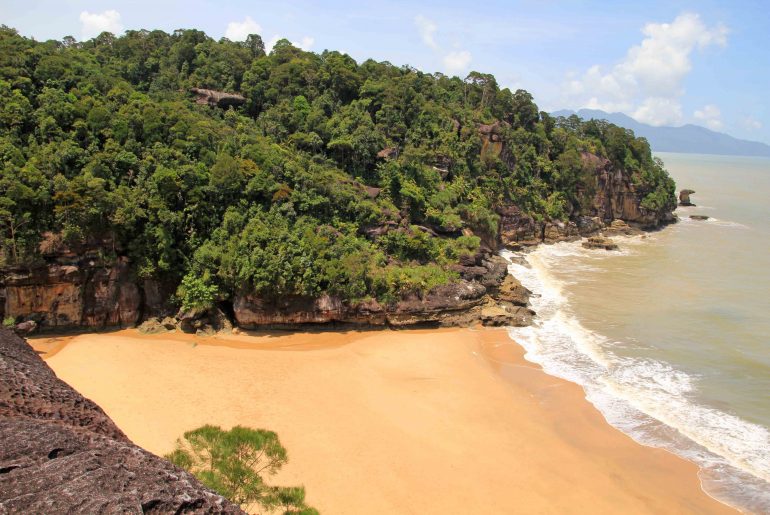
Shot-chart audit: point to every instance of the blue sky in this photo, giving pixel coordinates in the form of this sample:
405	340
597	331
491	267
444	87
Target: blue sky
663	62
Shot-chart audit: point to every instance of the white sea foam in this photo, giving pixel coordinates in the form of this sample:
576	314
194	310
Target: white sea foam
713	221
650	400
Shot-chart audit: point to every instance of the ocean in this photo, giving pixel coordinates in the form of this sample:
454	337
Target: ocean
670	336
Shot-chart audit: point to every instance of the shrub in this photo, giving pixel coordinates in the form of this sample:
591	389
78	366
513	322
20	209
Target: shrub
233	463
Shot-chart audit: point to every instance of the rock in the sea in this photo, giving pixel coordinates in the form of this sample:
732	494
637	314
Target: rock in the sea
699	217
511	290
599	242
620	228
684	197
60	453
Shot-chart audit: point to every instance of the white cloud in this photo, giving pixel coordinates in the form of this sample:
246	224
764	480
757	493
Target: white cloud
427	31
240	30
271	43
658	111
306	43
647	82
456	62
94	24
710	115
751	123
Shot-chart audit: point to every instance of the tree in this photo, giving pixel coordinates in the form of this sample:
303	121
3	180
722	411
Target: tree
233	463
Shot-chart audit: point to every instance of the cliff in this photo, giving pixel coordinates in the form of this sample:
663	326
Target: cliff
82	291
78	289
616	198
87	293
60	453
485	294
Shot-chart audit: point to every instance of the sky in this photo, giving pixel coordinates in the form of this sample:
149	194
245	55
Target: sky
667	62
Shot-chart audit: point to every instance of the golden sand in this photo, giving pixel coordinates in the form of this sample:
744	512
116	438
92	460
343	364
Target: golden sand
418	421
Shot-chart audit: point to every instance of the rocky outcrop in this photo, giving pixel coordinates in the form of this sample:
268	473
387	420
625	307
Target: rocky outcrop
60	453
615	199
684	197
217	98
81	294
518	229
483	284
620	228
599	242
493	145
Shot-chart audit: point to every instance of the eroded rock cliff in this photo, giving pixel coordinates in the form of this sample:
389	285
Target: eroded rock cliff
614	197
60	453
482	285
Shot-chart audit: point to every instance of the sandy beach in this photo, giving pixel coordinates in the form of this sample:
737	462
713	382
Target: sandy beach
418	421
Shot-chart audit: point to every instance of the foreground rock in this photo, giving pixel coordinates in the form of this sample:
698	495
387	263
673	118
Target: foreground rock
684	197
599	242
60	453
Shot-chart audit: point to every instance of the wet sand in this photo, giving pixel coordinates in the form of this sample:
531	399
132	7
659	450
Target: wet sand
417	421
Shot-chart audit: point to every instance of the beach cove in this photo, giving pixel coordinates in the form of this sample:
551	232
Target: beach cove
410	421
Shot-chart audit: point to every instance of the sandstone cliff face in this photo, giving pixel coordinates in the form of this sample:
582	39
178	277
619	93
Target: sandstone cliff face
615	198
461	303
60	453
85	294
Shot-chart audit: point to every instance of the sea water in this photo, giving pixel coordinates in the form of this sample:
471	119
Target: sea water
670	336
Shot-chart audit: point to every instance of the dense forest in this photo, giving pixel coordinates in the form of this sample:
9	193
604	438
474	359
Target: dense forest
360	180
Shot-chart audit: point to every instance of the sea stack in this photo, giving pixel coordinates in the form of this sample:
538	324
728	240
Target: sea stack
684	198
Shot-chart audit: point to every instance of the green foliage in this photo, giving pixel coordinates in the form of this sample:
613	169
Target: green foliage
286	195
233	463
9	322
196	292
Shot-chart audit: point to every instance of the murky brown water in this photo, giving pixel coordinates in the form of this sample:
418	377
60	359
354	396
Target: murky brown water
670	337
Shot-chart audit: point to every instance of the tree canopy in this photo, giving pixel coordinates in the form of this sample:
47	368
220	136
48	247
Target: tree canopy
101	143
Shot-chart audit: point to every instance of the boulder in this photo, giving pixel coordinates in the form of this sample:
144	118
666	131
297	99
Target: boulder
512	291
26	327
554	232
684	197
153	326
588	226
620	228
61	453
505	314
192	319
699	217
599	242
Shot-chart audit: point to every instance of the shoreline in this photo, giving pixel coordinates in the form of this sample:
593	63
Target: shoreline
476	426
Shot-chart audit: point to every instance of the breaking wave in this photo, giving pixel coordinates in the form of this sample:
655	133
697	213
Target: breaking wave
649	400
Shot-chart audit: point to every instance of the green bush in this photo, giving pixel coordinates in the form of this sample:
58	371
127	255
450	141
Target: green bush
196	293
234	464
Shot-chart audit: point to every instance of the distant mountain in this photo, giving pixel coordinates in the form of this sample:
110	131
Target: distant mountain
688	139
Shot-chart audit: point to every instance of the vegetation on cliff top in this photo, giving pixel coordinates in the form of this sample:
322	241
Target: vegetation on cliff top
361	180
